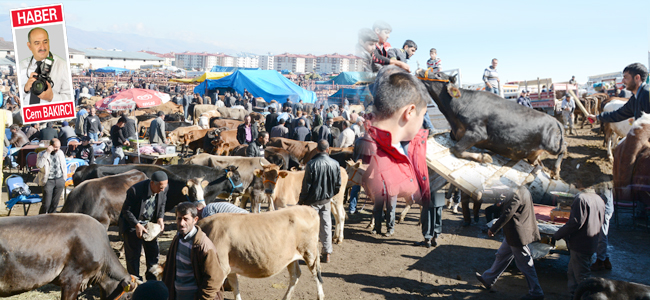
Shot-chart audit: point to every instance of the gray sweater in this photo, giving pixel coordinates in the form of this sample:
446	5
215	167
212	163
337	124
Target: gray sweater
586	219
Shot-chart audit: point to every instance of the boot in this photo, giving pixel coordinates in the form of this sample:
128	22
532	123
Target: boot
571	131
607	264
597	266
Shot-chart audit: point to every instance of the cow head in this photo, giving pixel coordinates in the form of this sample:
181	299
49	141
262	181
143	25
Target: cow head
172	139
194	189
121	290
220	147
271	173
234	179
440	86
355	172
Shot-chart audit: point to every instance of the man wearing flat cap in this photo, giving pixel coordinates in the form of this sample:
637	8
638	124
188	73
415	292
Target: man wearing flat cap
145	203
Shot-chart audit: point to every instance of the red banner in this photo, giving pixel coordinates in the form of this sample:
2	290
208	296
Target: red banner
49	112
37	15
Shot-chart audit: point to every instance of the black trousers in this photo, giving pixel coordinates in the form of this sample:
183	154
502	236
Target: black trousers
51	194
431	218
492	212
133	248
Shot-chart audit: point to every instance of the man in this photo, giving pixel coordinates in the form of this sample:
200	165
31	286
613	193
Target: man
187	100
318	119
157	129
247	132
634	77
301	133
572	80
271	120
218	102
343	112
32	131
192	269
300	106
84	151
568	106
522	100
280	130
18	138
520	228
79	122
581	234
51	176
48	132
119	140
145	202
321	182
60	88
129	128
491	78
93	126
65	133
346	139
325	133
604	189
403	54
256	148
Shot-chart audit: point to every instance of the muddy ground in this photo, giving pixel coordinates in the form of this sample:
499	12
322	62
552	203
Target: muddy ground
375	267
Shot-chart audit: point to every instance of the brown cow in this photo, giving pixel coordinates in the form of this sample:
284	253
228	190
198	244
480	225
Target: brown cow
169	108
225	142
631	161
297	148
285	187
174	137
232	113
199	109
225	123
262	245
193	139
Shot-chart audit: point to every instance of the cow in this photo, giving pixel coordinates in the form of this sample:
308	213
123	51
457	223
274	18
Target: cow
297	148
102	198
590	106
284	189
613	131
631	158
174	137
225	142
199	109
596	288
69	250
342	157
262	245
332	150
274	155
490	122
193	140
221	123
232	113
222	182
169	108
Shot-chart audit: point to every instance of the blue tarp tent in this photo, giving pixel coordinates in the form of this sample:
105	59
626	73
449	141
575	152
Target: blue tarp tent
112	70
348	78
354	95
268	84
229	69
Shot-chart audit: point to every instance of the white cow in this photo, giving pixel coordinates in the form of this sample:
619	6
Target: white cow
614	131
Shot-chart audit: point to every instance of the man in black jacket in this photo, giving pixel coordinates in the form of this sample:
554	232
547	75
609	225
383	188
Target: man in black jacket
634	77
118	139
256	148
247	132
301	133
48	132
145	202
271	120
321	182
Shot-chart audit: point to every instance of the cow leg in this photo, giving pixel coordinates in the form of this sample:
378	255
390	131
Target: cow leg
271	204
339	216
234	283
402	216
558	162
294	275
470	139
313	263
70	284
611	141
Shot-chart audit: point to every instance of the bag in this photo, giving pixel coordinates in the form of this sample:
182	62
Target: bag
21	190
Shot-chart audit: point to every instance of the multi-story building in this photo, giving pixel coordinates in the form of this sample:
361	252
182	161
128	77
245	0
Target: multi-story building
335	63
169	58
310	63
292	62
267	62
247	60
195	60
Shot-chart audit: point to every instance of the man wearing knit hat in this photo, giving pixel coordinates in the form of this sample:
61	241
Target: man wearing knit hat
145	202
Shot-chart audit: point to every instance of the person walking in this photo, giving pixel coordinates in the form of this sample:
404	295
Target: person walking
491	78
93	125
157	129
321	182
51	175
520	229
145	202
568	106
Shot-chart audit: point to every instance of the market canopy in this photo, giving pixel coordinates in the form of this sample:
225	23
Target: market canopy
230	69
348	78
132	98
354	95
202	78
115	70
268	84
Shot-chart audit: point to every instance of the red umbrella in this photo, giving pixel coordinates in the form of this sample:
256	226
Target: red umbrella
129	99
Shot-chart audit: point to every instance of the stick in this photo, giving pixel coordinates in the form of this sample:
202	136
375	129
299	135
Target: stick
579	104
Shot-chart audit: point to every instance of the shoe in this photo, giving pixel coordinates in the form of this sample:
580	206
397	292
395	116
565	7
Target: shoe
531	297
325	258
433	242
389	233
485	284
607	264
476	219
597	266
425	243
375	231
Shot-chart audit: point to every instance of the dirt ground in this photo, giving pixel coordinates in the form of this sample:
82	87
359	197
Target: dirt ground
375	267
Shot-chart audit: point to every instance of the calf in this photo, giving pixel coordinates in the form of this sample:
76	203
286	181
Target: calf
70	250
232	113
262	245
490	122
614	131
174	137
199	109
226	142
297	148
193	140
284	189
606	289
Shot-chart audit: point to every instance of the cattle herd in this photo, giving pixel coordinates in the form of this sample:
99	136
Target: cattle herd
72	249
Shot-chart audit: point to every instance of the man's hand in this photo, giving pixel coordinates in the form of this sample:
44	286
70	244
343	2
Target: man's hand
490	233
30	81
48	94
50	149
162	224
488	85
592	118
139	230
127	143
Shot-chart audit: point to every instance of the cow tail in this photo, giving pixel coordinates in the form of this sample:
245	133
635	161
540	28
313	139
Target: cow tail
318	274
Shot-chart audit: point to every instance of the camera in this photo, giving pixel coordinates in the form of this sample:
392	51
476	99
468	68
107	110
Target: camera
43	76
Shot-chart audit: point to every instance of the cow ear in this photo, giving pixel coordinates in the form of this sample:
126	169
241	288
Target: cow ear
349	162
453	79
190	183
453	91
204	183
357	165
185	191
258	173
283	174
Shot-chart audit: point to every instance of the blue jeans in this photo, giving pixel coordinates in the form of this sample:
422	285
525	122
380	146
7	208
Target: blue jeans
94	136
494	90
427	122
378	212
354	197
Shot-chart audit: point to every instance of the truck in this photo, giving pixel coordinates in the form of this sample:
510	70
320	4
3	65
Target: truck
543	93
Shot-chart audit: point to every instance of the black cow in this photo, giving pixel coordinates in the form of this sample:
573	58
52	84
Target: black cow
606	289
490	122
69	250
286	160
102	198
223	183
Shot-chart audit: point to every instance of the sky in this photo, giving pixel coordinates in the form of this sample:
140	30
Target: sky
531	39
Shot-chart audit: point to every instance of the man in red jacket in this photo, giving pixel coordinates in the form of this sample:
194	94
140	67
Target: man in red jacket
395	144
